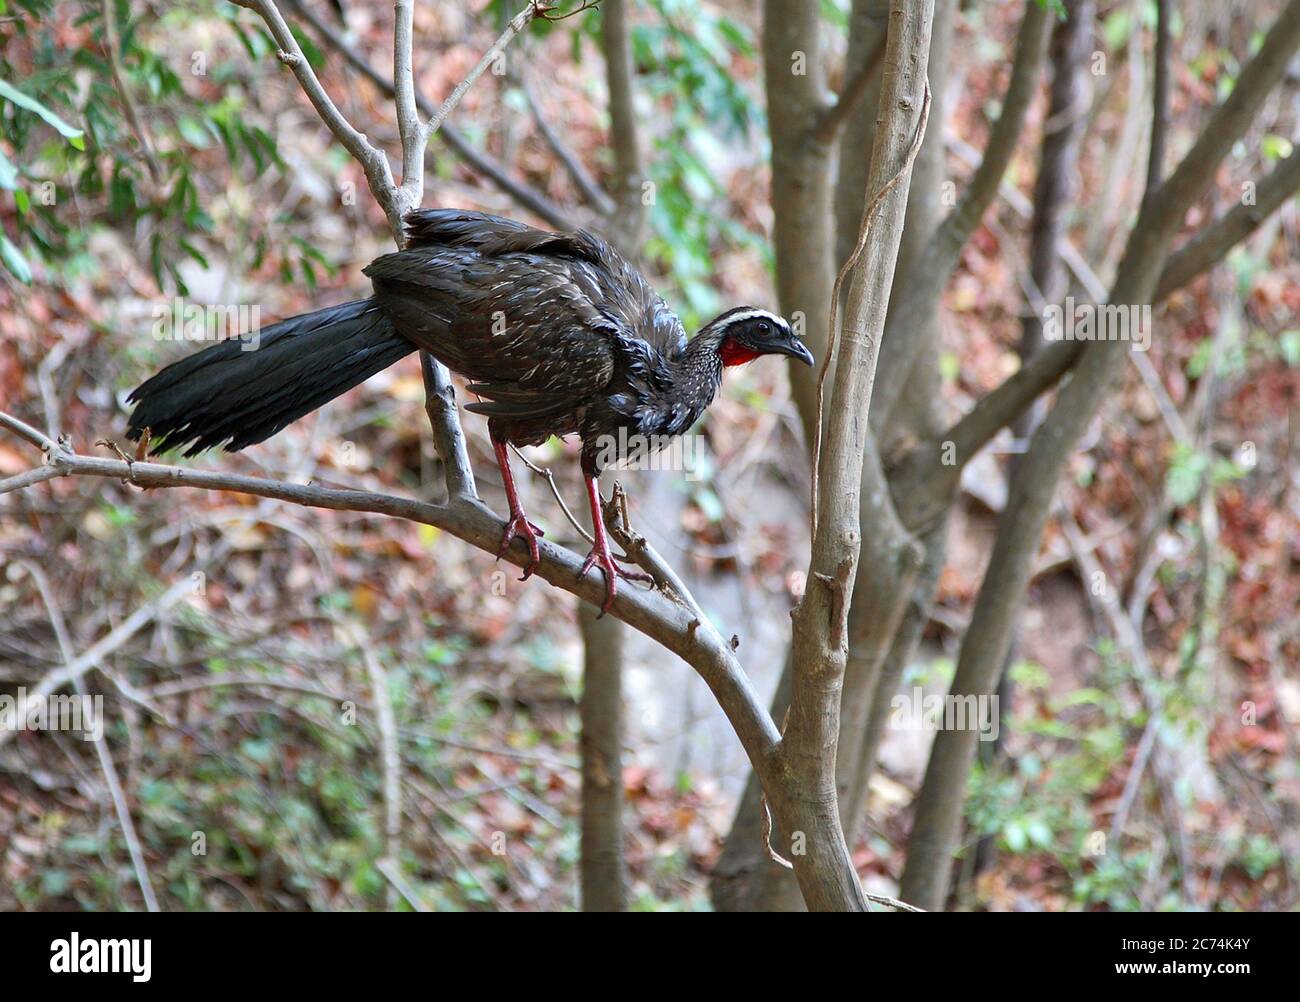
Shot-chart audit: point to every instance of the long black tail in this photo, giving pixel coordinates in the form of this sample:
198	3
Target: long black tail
241	392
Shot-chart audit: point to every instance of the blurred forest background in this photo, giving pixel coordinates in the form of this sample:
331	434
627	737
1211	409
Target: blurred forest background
254	625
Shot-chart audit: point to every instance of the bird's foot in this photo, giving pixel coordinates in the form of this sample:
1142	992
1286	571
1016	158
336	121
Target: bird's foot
601	555
529	533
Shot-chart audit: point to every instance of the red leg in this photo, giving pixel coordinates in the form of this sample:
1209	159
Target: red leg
600	551
518	525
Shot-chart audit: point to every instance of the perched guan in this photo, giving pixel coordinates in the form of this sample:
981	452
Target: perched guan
556	332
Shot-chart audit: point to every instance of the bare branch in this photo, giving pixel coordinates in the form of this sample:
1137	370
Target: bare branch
658	616
372	160
28	478
526	196
820	641
106	763
943	250
448	437
833	118
517	24
1159	100
1215	240
25	431
603	871
414	138
587	185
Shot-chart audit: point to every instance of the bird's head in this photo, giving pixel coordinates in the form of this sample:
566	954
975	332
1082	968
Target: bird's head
747	332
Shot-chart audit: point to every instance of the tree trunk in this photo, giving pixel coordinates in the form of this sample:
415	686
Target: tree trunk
1054	190
604	876
937	829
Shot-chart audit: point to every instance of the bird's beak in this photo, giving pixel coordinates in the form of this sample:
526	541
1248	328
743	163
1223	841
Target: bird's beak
795	349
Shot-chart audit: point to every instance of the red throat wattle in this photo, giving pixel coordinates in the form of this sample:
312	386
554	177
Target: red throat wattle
735	353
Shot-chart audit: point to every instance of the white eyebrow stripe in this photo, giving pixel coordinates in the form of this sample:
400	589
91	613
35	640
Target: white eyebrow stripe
755	314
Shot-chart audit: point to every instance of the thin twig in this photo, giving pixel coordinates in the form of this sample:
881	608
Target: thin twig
587	185
390	754
113	43
550	479
657	616
525	195
833	334
516	25
885	899
111	778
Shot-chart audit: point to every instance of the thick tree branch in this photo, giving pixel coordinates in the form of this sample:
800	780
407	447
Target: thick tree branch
603	886
1159	100
415	139
943	250
1213	242
923	481
820	641
448	436
939	805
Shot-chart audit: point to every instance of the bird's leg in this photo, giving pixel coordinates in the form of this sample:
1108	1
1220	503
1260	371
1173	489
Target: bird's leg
518	525
600	551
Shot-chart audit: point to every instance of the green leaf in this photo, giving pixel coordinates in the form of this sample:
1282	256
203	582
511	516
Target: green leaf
74	136
1040	834
1289	342
1275	147
13	260
1186	471
8	174
194	132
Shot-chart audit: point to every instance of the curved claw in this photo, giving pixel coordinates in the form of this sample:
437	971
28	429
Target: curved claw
529	533
612	572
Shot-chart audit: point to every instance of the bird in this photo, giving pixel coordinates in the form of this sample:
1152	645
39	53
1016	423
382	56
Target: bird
557	334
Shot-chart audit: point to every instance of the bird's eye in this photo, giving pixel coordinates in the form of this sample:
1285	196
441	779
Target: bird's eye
764	327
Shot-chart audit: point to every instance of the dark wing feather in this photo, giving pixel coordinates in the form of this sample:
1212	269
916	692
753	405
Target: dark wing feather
517	326
538	321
